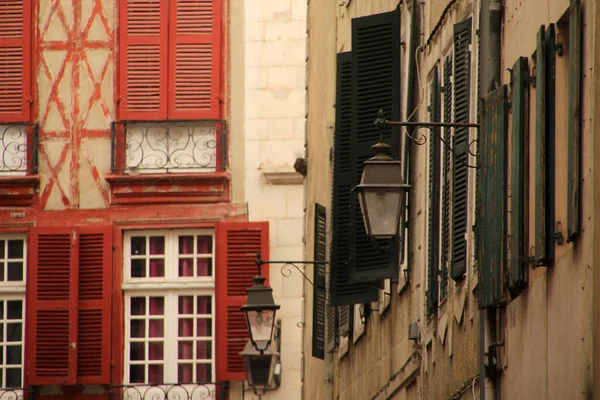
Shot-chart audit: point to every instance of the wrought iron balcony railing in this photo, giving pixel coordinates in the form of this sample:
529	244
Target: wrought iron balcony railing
18	394
192	391
18	149
169	146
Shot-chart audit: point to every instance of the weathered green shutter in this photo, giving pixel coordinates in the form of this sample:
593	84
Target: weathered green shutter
332	329
460	142
544	146
376	85
319	281
345	318
434	197
574	117
342	290
492	162
445	245
517	269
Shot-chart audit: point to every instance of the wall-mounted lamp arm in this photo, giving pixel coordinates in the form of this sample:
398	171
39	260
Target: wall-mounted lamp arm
285	269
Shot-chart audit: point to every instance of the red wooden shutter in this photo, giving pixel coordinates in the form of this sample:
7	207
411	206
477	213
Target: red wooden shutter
15	60
143	60
51	301
195	54
237	245
95	271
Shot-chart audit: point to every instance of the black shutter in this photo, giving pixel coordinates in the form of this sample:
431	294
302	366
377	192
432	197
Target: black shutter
460	171
493	166
345	315
434	197
517	269
342	290
574	116
376	85
319	291
445	245
332	329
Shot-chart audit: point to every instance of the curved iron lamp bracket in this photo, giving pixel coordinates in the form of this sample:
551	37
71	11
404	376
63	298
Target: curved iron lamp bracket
286	270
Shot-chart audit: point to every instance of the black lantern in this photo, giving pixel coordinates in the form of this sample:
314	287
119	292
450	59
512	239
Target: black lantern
259	366
382	194
260	310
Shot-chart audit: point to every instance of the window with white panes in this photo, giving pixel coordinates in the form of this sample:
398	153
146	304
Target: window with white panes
169	306
12	309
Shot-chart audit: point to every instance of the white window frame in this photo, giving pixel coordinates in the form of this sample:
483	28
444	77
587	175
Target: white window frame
13	290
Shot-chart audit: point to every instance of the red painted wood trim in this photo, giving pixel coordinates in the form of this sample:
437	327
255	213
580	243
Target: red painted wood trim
118	304
18	191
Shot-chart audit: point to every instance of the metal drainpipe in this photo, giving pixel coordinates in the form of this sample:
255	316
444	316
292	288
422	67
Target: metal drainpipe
490	31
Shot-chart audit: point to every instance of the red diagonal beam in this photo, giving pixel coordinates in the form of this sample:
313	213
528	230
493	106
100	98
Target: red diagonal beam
53	179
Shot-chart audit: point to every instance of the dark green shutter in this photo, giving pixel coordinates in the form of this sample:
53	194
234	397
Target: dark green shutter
492	162
574	117
345	315
544	146
332	329
517	269
460	142
376	85
445	245
342	290
433	230
319	290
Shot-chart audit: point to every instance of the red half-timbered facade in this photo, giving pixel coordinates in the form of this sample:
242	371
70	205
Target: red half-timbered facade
123	261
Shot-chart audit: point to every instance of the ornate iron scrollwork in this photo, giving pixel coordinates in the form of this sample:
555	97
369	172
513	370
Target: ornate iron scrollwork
18	394
18	148
176	391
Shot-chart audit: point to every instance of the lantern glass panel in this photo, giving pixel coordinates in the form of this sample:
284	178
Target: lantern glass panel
381	210
260	323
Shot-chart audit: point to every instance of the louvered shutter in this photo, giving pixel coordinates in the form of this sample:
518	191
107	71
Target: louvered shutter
319	289
433	229
332	331
446	176
342	291
376	86
493	170
517	269
51	302
143	59
237	245
93	332
544	146
460	142
15	60
574	120
345	319
195	57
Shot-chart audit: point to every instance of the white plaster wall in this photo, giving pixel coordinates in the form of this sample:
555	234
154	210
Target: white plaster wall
274	120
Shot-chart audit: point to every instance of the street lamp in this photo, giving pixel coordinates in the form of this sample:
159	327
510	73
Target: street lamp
259	310
382	193
259	366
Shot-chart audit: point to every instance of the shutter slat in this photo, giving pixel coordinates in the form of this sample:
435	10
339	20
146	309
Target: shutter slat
341	289
238	244
376	80
445	207
460	142
319	283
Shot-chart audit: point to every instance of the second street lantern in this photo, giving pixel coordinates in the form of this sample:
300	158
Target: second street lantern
260	309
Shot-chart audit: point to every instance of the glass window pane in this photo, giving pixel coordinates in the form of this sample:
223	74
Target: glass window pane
186	327
2	244
204	305
185	350
15	271
184	373
13	377
138	245
15	249
137	328
156	350
138	268
157	328
138	306
1	333
137	374
157	268
137	351
186	305
13	355
157	245
1	271
203	373
204	245
186	267
157	305
204	350
14	309
14	332
204	266
1	309
155	373
204	327
186	245
1	358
